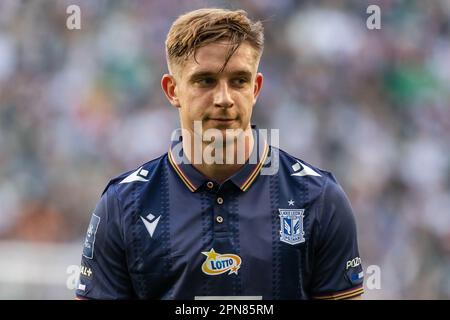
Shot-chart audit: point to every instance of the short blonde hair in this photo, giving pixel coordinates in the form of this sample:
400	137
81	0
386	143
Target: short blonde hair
198	28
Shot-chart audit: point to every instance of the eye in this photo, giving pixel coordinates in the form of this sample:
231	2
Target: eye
205	82
239	82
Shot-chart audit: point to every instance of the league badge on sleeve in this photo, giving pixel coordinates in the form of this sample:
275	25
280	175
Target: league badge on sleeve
291	226
88	248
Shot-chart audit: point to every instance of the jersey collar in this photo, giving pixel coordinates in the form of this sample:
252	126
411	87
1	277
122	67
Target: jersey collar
243	179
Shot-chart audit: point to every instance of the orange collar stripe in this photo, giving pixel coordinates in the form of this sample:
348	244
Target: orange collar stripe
255	172
180	173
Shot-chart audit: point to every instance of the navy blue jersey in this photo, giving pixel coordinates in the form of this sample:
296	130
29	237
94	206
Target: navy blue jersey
165	231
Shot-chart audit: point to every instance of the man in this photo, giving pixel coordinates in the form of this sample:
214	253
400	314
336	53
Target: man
199	224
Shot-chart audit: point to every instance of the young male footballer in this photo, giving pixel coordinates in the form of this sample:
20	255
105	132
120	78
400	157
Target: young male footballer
223	214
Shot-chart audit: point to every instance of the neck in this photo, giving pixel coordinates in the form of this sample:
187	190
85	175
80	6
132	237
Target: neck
219	161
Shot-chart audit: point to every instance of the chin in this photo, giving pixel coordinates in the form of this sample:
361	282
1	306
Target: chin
221	125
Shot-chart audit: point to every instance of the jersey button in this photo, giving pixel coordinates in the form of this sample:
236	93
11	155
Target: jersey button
219	200
210	184
219	219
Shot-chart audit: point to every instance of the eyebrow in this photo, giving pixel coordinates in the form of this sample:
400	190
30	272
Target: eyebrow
203	74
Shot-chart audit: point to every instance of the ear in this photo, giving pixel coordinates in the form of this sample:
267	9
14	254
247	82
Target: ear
168	85
258	85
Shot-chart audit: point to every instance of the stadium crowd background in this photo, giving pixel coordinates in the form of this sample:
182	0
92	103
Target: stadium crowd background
373	106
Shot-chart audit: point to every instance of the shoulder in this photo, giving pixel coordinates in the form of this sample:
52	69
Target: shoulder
298	173
133	180
323	189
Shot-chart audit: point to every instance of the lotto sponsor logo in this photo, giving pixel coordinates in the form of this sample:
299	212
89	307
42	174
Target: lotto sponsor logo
217	263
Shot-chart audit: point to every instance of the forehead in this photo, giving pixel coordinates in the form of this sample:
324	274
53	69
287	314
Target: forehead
211	58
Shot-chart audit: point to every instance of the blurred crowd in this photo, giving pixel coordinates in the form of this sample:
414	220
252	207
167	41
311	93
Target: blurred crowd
78	107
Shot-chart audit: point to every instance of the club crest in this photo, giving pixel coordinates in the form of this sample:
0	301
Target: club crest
291	226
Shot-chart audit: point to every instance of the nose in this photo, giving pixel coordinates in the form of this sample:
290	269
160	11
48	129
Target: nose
222	97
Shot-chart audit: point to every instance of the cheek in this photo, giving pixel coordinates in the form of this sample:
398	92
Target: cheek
194	105
247	101
249	93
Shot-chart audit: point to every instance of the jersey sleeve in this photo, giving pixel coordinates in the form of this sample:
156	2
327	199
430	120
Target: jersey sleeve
337	273
103	270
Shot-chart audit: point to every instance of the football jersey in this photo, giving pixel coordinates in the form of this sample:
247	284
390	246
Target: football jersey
165	231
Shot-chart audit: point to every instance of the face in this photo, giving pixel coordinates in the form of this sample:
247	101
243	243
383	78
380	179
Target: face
221	100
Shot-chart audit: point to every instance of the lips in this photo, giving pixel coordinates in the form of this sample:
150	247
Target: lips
221	122
221	118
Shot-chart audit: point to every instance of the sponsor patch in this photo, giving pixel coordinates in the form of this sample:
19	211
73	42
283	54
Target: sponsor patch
217	263
354	271
353	263
88	248
354	276
85	271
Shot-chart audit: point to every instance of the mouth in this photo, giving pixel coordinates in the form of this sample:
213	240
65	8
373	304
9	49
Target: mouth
221	123
222	120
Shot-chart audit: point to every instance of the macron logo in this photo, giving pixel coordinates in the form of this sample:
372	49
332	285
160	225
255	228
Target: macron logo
150	223
305	170
139	175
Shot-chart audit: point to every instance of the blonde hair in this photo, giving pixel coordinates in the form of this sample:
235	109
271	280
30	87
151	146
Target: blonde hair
198	28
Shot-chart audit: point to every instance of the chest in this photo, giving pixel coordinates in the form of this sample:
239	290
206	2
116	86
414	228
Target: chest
227	230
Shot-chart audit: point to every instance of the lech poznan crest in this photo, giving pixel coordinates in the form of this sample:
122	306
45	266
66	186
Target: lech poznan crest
291	226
